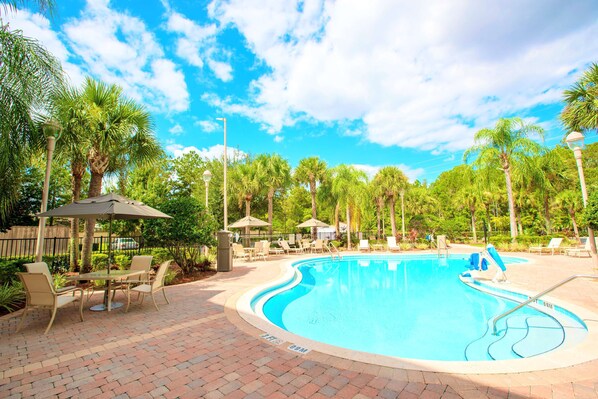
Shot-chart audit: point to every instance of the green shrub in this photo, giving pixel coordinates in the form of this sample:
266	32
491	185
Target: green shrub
11	296
99	261
122	261
59	280
58	263
160	255
170	275
9	270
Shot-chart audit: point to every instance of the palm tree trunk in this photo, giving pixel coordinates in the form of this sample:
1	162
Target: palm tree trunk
547	215
312	190
270	209
95	189
77	171
393	224
575	229
378	221
337	223
512	214
348	228
473	221
247	213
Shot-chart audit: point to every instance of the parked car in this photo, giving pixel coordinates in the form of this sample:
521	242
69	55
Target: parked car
124	243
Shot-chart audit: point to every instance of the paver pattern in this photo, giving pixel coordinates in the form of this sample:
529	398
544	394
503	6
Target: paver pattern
198	347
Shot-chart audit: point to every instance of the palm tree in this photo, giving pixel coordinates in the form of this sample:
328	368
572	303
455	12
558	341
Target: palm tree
120	128
506	143
570	201
391	181
347	184
277	175
29	73
69	109
311	171
247	179
581	111
468	196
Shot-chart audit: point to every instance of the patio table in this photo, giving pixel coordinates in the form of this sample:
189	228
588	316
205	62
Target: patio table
109	278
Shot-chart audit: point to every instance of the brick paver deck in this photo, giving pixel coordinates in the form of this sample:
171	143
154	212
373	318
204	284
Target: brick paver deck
199	347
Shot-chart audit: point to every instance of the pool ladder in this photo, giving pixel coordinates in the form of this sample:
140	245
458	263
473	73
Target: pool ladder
336	251
536	297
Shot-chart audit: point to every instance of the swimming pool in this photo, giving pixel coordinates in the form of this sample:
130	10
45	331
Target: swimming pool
412	307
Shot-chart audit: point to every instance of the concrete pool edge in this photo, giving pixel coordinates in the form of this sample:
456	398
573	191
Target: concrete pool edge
583	352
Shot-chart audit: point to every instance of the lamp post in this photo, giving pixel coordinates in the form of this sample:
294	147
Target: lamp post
225	165
51	129
575	142
207	176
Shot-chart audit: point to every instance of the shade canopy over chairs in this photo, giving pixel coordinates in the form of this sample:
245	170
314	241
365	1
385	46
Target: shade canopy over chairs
150	288
40	294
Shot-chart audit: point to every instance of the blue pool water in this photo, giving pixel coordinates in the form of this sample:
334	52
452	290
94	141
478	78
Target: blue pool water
405	306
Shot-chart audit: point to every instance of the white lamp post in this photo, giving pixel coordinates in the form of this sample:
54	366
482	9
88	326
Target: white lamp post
51	131
575	142
207	176
225	165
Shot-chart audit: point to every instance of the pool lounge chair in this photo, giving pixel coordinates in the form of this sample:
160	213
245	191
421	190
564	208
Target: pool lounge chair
275	250
553	245
579	252
288	249
364	245
391	242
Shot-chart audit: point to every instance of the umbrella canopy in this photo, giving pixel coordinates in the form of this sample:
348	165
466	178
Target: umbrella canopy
109	206
313	223
248	221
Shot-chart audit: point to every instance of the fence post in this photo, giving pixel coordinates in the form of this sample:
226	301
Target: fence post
54	254
101	244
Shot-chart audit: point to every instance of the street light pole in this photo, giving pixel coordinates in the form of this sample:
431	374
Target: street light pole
207	176
575	142
225	167
50	129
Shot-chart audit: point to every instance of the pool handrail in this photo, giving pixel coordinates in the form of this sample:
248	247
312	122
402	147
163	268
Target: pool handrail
537	296
328	245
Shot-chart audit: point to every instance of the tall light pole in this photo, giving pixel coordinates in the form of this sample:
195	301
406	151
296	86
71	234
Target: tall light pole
207	176
225	166
575	142
51	130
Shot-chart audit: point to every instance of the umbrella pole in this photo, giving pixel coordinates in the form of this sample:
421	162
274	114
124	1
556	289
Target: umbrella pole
109	242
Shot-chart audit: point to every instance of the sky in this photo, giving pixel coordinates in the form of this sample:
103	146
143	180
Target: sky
366	83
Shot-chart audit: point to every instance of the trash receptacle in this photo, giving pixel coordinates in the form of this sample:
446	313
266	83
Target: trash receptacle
224	261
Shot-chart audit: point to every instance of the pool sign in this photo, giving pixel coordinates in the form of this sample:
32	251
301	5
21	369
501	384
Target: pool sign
272	339
299	349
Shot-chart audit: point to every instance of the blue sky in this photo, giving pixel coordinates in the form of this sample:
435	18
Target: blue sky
368	83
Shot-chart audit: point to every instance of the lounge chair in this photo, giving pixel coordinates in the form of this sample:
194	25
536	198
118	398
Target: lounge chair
155	285
586	250
364	245
553	245
275	250
288	249
442	245
392	244
40	293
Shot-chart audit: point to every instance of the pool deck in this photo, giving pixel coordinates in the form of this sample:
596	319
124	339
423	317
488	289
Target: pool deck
199	346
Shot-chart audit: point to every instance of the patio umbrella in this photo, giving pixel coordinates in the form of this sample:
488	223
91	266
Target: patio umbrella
107	207
314	224
248	221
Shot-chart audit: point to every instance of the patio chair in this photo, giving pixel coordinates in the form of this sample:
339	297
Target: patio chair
239	252
275	250
288	249
553	245
40	294
42	267
261	249
583	251
138	262
442	245
364	245
317	245
155	285
392	244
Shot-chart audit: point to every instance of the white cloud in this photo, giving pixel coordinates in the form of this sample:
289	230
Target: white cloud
37	26
419	74
214	152
196	44
371	170
278	139
118	48
176	130
209	126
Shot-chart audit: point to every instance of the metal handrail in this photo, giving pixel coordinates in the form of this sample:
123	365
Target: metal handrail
335	248
537	296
